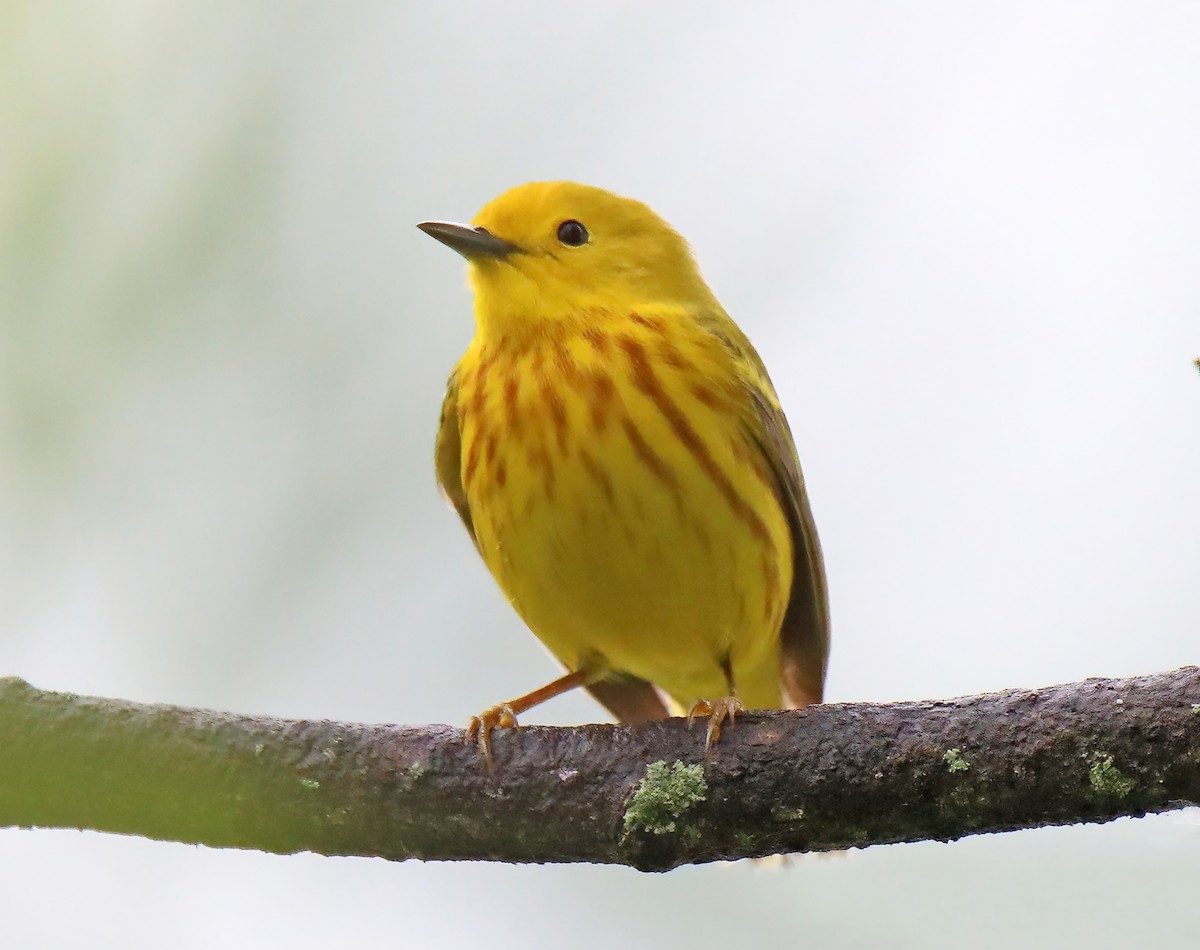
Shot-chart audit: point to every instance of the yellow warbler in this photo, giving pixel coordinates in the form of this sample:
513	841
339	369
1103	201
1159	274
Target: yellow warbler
615	447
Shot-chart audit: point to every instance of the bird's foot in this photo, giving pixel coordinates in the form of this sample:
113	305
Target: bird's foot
726	708
479	729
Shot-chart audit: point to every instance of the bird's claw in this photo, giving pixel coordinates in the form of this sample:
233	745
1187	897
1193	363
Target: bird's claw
726	708
479	729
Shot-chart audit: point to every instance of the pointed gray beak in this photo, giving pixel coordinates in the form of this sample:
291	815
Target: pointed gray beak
471	243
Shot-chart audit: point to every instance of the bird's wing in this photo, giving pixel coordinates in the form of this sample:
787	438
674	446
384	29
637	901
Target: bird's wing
804	636
627	698
447	456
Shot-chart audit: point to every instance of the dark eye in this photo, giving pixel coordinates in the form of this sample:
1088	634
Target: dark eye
572	233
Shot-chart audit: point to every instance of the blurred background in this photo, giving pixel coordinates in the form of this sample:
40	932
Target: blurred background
963	238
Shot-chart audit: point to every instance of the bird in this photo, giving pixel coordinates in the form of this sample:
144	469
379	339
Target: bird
618	454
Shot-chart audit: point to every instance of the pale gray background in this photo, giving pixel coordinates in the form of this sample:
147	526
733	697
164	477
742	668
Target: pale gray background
963	238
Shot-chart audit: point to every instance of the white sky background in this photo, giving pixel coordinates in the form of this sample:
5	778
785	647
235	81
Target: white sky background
964	241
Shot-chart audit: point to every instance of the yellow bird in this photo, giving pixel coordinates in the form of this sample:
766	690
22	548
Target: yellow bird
618	454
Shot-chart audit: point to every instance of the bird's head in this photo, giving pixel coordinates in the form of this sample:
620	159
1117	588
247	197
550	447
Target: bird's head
558	251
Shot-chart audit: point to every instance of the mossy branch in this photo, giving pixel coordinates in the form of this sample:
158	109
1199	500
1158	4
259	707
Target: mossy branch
823	778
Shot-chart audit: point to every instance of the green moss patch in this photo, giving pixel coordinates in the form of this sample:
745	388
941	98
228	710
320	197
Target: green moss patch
955	761
663	797
1107	779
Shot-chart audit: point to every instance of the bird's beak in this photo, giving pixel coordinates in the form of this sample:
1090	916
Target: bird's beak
471	243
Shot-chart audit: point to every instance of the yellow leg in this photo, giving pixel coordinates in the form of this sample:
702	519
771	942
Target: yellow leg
479	729
718	711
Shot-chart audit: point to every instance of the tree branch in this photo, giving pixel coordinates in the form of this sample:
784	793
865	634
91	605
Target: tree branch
822	778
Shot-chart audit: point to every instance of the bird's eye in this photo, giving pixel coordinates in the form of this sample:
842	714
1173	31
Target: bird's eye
572	233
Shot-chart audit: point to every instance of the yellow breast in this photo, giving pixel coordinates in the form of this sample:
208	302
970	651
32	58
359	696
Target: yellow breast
619	504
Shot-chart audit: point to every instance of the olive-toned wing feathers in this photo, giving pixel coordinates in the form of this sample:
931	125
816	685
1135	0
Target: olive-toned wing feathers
804	637
447	456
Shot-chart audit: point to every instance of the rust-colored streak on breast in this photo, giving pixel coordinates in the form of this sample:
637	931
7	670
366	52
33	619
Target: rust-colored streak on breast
512	411
476	408
598	474
539	461
480	396
657	324
565	366
707	395
764	476
669	354
651	459
599	341
751	456
472	460
552	400
603	391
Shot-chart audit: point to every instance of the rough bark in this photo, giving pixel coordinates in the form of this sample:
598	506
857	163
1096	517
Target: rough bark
827	777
